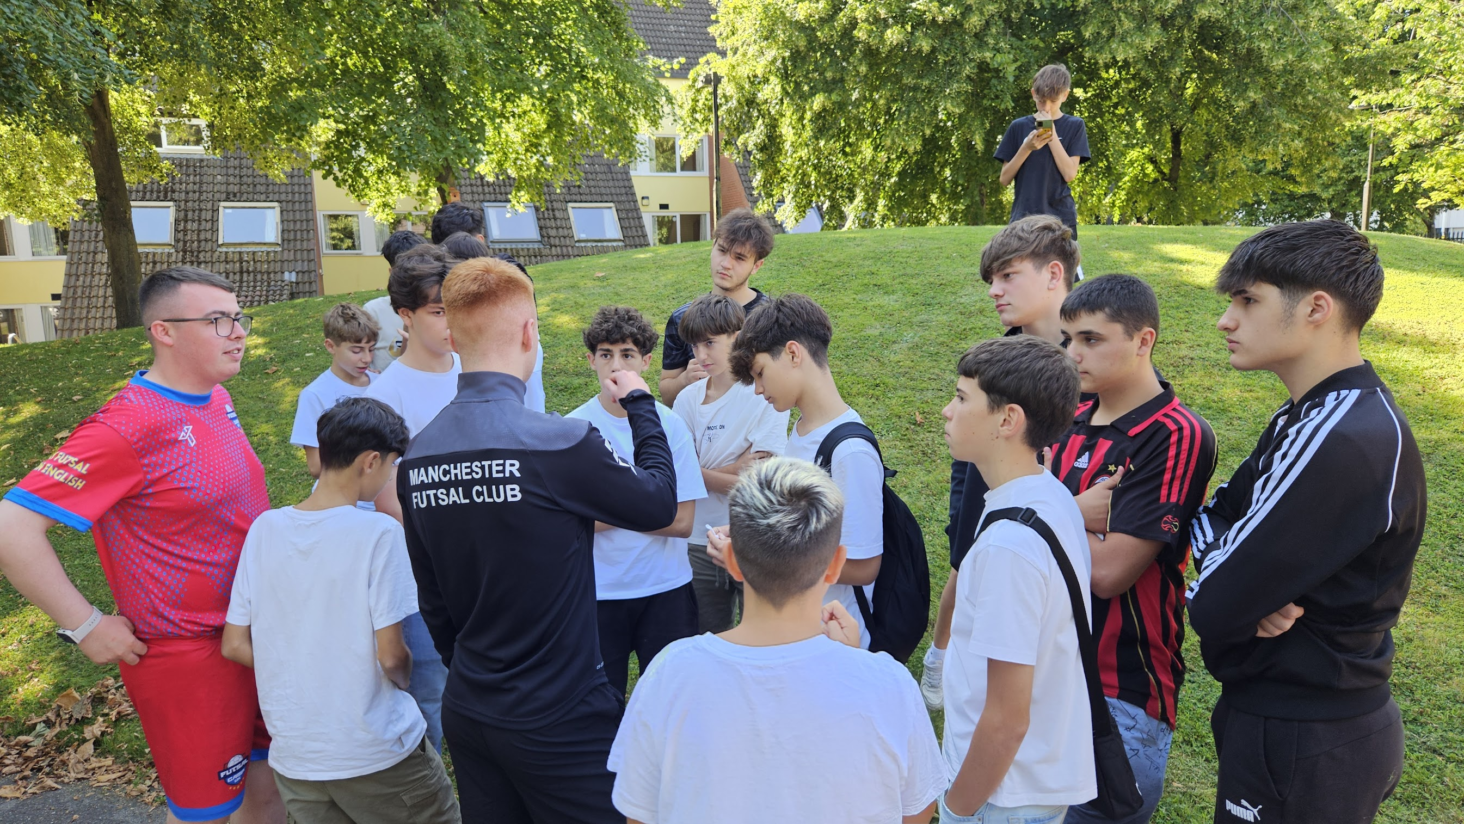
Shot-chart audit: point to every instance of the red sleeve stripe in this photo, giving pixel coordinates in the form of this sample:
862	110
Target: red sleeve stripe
1183	453
1157	415
1199	436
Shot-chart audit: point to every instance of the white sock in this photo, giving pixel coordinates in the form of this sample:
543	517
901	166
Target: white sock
934	655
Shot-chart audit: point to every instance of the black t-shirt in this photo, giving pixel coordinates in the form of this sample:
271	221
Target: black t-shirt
1039	188
675	352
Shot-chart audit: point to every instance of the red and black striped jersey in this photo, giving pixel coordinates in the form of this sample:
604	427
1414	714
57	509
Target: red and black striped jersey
1168	453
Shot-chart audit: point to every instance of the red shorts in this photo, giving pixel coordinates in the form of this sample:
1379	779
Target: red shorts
200	714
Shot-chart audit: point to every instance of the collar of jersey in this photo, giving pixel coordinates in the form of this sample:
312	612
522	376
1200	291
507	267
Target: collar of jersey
489	386
1362	376
1135	420
170	394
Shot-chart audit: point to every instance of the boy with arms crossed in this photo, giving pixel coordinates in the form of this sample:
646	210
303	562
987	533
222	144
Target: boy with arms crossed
643	592
731	428
1305	555
1018	724
1138	462
740	245
1029	267
316	611
739	727
350	337
783	351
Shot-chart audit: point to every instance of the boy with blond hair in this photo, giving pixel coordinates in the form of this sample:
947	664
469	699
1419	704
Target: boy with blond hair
350	338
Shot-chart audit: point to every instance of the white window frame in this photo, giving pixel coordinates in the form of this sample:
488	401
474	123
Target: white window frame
172	218
530	208
165	148
365	232
648	166
251	247
33	255
574	223
706	223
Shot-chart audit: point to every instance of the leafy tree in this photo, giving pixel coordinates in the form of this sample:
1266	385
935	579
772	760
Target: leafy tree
885	112
1420	107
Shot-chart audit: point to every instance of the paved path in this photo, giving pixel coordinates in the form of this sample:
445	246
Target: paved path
80	803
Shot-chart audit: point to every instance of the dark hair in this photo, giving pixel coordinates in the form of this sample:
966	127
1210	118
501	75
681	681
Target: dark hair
709	315
1032	373
744	227
507	258
613	324
164	282
770	327
455	217
784	517
400	242
416	277
464	246
1122	299
358	425
1311	256
1051	81
1037	239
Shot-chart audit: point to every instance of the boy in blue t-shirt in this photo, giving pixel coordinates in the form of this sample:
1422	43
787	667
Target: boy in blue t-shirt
1041	152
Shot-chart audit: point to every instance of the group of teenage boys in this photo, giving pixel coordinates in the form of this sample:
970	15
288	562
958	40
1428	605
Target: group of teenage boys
468	567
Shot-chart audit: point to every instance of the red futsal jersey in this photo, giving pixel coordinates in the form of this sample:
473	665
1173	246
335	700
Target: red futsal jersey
169	484
1169	454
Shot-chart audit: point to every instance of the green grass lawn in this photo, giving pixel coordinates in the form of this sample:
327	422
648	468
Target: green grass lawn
905	303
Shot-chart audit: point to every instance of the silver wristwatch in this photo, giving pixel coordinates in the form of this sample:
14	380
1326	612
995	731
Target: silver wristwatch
75	636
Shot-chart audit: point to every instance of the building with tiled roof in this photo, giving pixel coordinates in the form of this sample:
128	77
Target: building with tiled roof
679	35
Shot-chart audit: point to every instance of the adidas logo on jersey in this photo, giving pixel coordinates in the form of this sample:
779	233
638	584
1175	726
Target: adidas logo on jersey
1081	463
1243	811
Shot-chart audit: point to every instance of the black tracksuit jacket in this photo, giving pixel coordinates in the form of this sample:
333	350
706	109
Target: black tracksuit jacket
499	504
1326	513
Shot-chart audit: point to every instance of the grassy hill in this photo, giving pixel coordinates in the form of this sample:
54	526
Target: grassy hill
905	303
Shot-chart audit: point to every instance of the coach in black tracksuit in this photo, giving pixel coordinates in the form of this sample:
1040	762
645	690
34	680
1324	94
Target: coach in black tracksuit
1326	515
499	504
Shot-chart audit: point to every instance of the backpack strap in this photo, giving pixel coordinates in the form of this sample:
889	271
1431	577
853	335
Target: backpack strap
824	457
1087	649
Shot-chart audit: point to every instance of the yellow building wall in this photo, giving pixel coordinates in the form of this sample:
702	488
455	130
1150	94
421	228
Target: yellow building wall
30	281
352	273
682	193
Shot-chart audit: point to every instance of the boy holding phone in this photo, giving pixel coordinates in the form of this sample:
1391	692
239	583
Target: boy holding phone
1040	153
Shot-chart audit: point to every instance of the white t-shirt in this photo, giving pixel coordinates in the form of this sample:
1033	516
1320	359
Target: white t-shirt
634	564
534	392
858	473
391	330
724	429
314	587
416	395
1012	605
810	731
322	393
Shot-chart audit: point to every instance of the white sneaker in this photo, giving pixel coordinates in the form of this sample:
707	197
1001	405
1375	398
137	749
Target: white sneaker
930	685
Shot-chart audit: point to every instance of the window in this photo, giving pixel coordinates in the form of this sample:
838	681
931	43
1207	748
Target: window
249	225
666	157
179	136
341	232
10	326
7	249
594	222
506	225
679	228
47	241
153	224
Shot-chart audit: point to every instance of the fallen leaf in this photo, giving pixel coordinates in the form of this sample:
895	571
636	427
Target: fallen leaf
599	274
61	436
918	418
67	699
271	370
85	750
76	397
12	791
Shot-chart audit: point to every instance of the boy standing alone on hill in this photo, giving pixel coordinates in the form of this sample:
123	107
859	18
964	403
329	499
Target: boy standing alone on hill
1138	461
1041	153
1305	555
740	245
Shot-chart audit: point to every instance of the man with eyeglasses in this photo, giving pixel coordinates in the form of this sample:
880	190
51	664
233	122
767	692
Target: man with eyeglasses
167	482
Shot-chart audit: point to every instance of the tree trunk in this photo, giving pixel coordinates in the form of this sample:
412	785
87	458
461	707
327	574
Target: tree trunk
1176	157
115	210
447	190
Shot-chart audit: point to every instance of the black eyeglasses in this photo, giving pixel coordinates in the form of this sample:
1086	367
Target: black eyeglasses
223	331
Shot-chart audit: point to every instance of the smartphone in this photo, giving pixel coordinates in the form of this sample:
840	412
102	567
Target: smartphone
1044	123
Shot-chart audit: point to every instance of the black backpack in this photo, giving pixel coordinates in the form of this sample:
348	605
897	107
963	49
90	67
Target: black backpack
901	609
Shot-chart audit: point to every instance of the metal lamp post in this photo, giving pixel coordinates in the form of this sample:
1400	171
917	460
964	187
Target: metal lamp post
715	81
